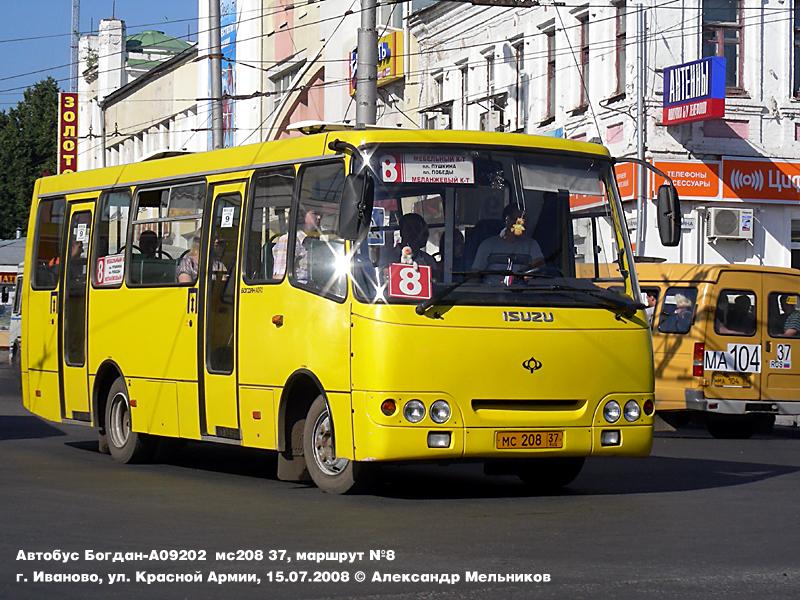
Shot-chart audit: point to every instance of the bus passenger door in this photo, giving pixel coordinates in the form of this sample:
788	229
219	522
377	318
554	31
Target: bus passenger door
218	395
72	317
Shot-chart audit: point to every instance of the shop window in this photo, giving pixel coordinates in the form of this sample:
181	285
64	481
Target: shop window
677	310
736	313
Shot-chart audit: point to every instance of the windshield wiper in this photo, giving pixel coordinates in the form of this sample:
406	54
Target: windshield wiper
468	275
623	304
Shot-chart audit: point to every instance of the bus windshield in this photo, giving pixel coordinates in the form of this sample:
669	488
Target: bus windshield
488	227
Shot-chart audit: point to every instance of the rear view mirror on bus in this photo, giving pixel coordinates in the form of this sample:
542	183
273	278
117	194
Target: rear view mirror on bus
356	209
668	207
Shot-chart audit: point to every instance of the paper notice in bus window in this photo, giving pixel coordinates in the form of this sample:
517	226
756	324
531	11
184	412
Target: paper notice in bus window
227	216
427	167
80	233
110	269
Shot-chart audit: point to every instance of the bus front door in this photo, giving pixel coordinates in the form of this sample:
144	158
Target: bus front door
72	317
219	413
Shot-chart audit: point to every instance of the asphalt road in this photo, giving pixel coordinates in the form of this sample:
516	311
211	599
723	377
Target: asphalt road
700	518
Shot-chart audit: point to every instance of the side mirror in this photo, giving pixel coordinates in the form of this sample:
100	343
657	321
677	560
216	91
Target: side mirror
668	207
355	212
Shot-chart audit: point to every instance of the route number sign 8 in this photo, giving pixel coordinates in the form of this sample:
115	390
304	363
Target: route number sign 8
391	169
405	281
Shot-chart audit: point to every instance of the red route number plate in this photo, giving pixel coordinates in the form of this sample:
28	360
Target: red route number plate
407	282
522	440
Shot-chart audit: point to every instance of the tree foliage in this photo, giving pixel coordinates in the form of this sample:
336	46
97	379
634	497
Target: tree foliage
28	150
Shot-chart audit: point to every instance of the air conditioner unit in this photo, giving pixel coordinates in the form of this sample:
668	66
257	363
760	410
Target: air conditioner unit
730	223
491	120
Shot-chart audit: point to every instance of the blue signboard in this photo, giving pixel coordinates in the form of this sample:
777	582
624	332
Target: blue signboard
694	91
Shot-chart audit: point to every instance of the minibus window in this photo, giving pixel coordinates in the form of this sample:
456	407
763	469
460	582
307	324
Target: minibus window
110	239
784	314
49	225
318	259
736	313
677	310
268	226
650	300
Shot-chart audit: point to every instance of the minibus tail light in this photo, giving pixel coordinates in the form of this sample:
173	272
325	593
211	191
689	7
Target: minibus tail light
697	363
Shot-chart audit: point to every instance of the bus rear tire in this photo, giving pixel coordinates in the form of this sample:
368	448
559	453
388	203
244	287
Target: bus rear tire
330	474
549	474
124	444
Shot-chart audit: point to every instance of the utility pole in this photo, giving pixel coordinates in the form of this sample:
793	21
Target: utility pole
73	45
215	55
367	67
641	127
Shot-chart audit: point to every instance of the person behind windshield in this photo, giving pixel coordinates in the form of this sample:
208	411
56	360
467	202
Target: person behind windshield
148	244
513	248
414	236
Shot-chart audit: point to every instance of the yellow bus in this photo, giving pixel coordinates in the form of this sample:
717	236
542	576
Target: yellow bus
346	298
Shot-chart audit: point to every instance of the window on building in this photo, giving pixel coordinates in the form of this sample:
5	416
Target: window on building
267	239
621	56
519	91
796	36
489	58
464	70
550	111
282	85
110	239
584	63
390	14
438	88
318	259
722	36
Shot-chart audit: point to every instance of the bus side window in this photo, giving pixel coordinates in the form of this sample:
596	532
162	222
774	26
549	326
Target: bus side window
317	256
268	226
49	228
784	314
736	313
111	233
677	310
650	301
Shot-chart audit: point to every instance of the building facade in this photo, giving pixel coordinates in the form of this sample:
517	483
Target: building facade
570	71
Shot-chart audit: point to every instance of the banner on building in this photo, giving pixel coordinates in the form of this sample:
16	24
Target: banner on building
67	132
626	180
390	60
694	91
761	180
228	26
693	179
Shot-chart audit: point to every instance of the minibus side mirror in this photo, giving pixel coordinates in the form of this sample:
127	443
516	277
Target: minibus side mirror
668	207
355	213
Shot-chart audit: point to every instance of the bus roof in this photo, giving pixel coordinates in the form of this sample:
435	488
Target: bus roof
671	272
245	158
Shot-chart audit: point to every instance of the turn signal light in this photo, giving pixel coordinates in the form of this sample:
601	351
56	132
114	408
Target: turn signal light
697	359
388	407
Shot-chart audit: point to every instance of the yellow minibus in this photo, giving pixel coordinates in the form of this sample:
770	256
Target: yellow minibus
346	298
723	337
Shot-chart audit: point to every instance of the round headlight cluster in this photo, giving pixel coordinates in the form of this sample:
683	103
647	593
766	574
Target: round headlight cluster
611	411
632	411
440	412
414	411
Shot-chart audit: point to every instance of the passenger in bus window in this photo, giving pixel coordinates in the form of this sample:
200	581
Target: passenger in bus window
187	267
512	247
791	327
309	227
680	321
148	243
652	298
458	250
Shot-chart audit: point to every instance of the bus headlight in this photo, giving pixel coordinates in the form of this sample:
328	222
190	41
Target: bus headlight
611	411
632	411
440	412
414	411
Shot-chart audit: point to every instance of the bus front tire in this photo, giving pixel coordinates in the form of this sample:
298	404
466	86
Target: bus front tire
549	474
330	474
124	444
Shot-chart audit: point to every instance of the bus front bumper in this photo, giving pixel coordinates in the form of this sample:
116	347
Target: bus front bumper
399	443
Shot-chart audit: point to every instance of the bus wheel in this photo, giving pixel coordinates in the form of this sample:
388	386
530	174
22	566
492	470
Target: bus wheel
730	427
330	474
124	444
549	474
